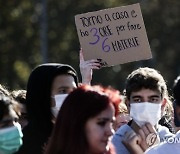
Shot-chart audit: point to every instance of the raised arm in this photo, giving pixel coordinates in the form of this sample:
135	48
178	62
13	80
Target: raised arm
86	68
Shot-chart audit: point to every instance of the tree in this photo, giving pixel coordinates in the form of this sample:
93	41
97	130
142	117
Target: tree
20	38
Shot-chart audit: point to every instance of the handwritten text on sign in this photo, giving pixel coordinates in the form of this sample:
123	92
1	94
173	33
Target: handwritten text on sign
115	35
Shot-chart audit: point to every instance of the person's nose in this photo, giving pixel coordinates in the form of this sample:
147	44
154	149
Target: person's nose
109	130
145	99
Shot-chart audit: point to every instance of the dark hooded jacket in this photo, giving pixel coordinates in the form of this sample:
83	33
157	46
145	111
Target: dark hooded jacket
38	104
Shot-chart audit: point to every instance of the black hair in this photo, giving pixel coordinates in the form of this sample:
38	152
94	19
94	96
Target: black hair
176	90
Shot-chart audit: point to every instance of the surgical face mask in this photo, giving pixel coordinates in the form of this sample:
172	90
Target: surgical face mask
10	139
145	112
59	99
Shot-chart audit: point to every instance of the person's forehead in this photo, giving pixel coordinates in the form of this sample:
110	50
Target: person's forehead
145	93
64	80
108	112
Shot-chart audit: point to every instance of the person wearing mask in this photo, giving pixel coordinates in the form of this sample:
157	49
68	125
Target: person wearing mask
10	129
133	141
84	123
48	85
146	95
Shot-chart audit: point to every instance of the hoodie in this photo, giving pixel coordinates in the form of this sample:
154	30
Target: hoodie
38	105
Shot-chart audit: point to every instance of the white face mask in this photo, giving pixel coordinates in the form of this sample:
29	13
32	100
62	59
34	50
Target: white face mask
59	99
145	112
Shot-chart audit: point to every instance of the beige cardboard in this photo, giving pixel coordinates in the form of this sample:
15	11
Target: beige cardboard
121	29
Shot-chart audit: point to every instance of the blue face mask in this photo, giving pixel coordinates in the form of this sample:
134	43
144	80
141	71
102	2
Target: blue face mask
10	139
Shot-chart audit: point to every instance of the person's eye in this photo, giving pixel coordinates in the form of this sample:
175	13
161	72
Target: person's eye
155	100
137	100
63	91
101	123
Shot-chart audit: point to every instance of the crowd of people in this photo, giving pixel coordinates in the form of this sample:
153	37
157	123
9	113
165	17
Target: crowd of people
57	114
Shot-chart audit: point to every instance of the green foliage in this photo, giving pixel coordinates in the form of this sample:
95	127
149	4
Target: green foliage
20	38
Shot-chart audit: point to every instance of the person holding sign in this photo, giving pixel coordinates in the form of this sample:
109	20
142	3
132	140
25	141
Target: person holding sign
146	94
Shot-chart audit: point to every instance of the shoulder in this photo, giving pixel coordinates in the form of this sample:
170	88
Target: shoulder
118	137
119	134
123	129
164	132
164	148
167	147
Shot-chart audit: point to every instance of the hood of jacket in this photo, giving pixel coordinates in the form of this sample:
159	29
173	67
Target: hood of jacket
38	97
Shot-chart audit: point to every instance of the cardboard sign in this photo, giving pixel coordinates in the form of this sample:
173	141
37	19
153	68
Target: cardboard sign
115	35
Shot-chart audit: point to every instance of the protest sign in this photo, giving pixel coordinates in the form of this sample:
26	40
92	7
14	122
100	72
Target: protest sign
116	35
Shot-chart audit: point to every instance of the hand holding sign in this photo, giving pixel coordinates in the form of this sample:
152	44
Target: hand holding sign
115	35
86	67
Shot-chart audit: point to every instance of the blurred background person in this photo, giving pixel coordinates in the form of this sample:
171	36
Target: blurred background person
123	116
84	123
167	116
176	94
4	90
20	97
10	129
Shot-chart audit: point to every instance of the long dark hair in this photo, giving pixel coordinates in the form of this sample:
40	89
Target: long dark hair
82	104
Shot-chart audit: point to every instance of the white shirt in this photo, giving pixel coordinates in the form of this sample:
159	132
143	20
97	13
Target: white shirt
170	146
120	134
